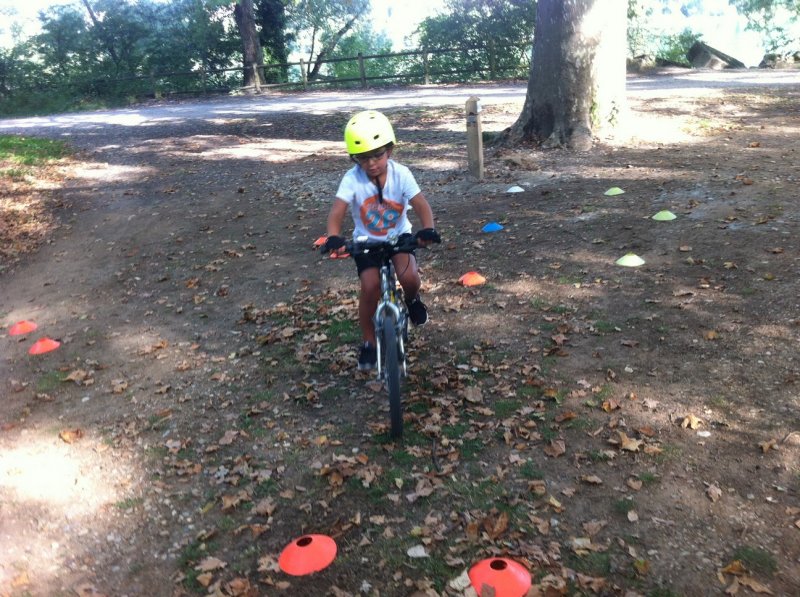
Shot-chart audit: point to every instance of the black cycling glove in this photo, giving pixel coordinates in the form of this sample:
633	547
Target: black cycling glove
429	234
333	243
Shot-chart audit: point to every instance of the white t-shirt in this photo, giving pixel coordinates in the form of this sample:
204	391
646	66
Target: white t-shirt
374	219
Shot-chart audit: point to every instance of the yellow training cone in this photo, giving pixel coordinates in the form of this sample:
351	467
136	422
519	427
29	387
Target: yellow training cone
664	216
614	191
630	260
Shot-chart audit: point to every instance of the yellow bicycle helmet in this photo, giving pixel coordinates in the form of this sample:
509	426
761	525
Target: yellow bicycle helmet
366	131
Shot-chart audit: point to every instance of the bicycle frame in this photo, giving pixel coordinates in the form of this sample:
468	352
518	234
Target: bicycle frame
391	300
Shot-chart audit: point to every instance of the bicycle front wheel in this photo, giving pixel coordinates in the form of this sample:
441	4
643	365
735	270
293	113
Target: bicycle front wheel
391	371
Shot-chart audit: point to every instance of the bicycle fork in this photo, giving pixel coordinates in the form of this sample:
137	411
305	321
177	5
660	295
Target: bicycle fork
399	316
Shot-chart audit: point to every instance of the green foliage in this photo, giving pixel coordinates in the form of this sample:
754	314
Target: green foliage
674	48
366	42
496	37
272	21
645	36
772	19
96	57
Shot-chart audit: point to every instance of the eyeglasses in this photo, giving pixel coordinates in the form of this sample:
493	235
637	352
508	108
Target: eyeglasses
364	159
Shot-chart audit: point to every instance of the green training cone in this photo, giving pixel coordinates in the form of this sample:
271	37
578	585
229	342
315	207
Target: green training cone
630	260
614	191
664	216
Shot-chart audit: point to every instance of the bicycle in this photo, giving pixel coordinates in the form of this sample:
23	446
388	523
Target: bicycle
390	320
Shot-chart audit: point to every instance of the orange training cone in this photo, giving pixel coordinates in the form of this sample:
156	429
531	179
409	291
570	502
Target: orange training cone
320	241
472	279
22	327
506	577
308	554
43	345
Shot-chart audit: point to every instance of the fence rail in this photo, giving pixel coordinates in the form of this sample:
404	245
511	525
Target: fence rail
489	62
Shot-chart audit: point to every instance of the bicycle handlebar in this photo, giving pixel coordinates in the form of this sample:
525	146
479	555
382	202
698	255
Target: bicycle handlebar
403	244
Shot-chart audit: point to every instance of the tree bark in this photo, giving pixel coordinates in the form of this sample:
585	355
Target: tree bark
313	72
576	86
101	30
244	15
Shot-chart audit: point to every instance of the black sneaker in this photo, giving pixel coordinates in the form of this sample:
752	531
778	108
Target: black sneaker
417	311
368	357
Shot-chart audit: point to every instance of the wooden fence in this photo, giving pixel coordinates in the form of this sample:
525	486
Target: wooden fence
425	66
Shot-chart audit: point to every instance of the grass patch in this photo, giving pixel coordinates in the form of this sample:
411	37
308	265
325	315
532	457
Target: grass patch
594	563
530	471
30	151
601	326
580	424
756	559
624	506
343	332
599	456
50	381
129	503
533	392
470	448
506	408
648	478
187	560
455	431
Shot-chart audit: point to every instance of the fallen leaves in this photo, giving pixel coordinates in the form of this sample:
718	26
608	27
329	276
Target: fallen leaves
70	436
713	492
691	422
741	578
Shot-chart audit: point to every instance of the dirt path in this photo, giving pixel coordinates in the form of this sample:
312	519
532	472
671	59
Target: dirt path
618	430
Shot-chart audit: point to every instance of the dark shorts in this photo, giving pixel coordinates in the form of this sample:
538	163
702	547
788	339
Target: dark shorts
370	260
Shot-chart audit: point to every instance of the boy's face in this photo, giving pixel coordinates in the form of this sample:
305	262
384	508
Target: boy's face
375	162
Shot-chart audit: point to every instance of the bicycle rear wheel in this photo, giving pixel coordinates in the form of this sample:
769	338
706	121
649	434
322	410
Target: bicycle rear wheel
391	371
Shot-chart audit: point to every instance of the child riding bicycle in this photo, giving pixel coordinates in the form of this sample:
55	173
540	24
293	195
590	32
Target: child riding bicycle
378	191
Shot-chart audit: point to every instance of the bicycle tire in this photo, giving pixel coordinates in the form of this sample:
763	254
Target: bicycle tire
391	371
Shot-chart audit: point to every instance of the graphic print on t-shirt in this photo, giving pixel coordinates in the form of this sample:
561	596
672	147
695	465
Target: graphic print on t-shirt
380	217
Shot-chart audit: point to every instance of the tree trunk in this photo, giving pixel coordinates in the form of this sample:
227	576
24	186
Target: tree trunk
244	15
577	80
102	33
313	72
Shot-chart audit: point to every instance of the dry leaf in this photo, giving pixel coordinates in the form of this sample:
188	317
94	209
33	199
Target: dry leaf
118	386
205	578
594	526
610	405
768	445
736	568
228	438
733	588
592	479
496	526
714	493
77	376
567	416
691	422
633	516
555	448
71	435
473	394
628	443
754	585
633	483
210	564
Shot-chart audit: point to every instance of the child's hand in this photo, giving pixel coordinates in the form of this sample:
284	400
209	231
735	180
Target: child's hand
427	236
332	243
